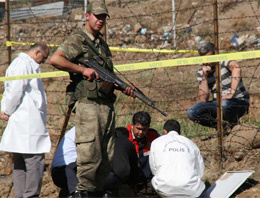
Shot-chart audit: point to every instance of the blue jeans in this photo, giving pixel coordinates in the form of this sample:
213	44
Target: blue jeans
205	113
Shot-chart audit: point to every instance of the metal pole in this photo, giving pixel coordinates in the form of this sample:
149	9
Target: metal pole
85	6
174	23
218	84
8	37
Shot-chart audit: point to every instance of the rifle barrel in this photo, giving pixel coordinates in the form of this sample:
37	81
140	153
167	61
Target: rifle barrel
111	77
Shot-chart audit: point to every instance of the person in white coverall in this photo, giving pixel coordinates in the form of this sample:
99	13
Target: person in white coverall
24	106
176	164
64	167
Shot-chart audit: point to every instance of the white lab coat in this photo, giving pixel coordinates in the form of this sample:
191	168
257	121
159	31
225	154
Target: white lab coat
25	102
177	166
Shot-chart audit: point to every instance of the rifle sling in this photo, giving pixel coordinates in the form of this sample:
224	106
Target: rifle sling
91	45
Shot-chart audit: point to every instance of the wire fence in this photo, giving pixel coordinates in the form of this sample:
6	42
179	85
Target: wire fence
146	24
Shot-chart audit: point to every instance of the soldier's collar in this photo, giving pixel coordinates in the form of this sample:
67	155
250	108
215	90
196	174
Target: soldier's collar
92	38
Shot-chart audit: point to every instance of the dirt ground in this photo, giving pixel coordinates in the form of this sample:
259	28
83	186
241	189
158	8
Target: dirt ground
249	159
249	189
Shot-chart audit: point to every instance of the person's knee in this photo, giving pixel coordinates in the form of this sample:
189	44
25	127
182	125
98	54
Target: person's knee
226	104
192	112
228	109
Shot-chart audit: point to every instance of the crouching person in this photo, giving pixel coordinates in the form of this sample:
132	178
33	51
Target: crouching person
64	167
176	164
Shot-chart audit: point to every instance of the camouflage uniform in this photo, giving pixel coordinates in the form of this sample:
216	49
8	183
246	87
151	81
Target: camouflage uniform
95	117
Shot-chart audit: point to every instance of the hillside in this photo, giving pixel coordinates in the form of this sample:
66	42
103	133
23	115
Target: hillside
147	24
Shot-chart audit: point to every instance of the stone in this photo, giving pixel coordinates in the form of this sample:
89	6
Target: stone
137	27
242	139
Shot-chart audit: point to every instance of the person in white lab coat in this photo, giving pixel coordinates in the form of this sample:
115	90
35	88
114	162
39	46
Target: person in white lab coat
176	164
24	106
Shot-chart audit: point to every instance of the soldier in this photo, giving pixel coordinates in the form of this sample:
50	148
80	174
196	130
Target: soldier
95	116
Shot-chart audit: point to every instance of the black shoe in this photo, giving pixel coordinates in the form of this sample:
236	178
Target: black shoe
87	194
76	194
107	194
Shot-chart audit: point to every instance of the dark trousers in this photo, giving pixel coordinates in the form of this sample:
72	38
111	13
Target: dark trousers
113	183
65	177
205	113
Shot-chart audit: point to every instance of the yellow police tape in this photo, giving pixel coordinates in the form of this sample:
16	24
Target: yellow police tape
10	43
154	64
190	61
38	75
151	50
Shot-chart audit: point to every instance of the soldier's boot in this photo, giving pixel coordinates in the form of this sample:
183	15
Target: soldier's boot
87	194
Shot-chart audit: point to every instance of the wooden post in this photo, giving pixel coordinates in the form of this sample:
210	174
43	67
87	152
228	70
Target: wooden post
218	84
8	37
104	29
64	126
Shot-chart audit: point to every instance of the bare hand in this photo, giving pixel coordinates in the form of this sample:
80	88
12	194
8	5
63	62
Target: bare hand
4	116
130	91
90	73
206	69
227	96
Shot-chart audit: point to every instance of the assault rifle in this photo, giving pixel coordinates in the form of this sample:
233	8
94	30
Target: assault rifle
108	76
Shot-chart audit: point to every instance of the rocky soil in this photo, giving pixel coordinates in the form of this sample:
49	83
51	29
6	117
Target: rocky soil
148	24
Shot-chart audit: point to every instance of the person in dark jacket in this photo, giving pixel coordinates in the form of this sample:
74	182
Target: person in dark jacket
124	165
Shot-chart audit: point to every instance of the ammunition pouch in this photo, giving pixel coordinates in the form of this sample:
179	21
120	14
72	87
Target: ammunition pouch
96	89
106	87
